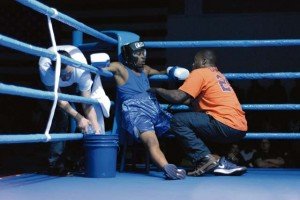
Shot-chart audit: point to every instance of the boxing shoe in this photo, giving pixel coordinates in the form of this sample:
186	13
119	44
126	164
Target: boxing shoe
173	173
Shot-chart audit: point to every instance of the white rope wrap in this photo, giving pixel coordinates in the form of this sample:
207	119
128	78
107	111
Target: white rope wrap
56	79
55	13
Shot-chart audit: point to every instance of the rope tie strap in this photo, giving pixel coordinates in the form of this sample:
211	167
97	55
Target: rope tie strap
55	14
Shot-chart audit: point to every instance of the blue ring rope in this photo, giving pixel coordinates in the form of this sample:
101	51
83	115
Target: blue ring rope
34	93
34	138
271	107
277	75
242	76
244	106
37	51
223	43
273	136
37	6
214	43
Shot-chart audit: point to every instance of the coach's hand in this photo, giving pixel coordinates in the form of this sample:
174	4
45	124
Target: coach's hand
83	123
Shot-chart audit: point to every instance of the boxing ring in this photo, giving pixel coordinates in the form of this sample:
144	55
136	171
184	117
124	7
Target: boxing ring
280	184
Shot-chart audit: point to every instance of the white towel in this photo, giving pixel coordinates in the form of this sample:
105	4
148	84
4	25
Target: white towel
103	108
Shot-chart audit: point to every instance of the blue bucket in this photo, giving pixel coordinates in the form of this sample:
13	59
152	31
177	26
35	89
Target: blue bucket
100	155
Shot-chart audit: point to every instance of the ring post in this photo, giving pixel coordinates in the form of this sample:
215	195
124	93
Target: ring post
77	38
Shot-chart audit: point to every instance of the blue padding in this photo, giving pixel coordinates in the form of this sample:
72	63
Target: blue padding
77	38
123	37
222	43
39	7
257	184
96	47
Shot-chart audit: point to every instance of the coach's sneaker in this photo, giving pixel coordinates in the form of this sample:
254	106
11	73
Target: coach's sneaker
204	165
228	168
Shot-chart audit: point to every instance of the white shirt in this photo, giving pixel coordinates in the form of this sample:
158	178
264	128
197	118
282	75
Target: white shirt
79	76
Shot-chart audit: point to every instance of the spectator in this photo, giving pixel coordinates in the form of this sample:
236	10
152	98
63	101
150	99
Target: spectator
234	155
276	92
265	157
240	92
247	154
256	93
295	94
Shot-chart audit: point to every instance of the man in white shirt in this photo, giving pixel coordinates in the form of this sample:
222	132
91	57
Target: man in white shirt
69	77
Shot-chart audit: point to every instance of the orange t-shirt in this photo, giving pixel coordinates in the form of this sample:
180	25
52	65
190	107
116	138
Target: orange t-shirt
215	97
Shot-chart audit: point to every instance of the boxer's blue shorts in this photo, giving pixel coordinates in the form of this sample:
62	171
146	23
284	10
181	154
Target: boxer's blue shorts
143	113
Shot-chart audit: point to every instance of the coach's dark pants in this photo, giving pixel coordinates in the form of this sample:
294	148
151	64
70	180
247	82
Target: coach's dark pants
59	125
192	127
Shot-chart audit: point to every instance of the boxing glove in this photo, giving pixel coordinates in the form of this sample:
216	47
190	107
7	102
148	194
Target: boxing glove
178	72
100	60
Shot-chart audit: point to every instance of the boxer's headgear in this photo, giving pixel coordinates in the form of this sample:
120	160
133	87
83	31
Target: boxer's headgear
130	52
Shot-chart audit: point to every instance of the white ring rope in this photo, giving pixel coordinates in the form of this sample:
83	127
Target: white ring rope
56	79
